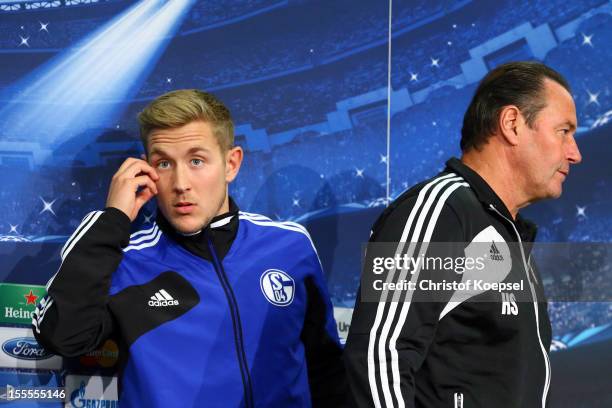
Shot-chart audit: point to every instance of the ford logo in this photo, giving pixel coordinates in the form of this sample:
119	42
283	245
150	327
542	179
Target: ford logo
25	348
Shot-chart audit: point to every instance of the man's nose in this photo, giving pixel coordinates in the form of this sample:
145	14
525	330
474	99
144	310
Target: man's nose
573	153
181	181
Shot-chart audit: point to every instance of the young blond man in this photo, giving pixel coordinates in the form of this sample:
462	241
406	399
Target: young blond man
213	307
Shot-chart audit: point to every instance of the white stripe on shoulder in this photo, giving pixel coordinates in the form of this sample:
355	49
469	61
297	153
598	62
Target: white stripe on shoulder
296	225
76	231
283	225
89	220
146	237
145	244
50	281
143	232
259	217
253	216
289	226
380	312
83	227
439	201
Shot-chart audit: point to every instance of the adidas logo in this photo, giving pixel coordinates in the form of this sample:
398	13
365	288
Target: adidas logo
162	298
495	254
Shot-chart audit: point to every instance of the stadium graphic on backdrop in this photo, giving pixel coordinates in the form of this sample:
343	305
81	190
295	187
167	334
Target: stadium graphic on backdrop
335	120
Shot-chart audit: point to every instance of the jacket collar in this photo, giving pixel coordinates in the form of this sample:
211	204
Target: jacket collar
487	196
221	230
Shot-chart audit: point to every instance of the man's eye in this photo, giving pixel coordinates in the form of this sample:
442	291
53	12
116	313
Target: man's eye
197	162
163	164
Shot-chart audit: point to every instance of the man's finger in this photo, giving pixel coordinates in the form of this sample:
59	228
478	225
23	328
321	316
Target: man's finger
143	196
144	181
140	166
126	163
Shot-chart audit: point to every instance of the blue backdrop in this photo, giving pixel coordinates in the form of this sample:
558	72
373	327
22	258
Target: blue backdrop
310	84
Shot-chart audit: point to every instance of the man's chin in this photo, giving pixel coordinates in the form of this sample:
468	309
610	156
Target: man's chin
186	227
555	192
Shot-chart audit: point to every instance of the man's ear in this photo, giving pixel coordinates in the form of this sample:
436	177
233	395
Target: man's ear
510	122
233	160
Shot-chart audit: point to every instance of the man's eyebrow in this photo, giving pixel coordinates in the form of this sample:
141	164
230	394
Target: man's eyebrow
157	151
571	125
198	149
161	152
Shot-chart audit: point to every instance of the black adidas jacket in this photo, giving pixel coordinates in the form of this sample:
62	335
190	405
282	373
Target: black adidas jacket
490	350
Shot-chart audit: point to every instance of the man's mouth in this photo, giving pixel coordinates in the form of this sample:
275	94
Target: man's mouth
184	207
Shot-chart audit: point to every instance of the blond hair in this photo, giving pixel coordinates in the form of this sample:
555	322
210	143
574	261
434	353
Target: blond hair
181	107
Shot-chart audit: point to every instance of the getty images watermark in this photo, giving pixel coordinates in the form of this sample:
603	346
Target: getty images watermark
485	272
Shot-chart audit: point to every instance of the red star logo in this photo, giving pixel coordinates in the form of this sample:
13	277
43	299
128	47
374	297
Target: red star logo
30	298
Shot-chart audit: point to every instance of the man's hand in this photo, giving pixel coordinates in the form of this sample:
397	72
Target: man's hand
124	193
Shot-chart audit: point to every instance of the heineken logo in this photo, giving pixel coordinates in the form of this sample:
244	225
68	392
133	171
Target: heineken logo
18	302
30	298
17	313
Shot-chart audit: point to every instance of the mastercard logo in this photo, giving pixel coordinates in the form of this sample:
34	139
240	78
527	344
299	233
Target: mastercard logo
105	356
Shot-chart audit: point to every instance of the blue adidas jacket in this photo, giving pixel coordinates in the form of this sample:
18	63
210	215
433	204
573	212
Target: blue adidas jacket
236	316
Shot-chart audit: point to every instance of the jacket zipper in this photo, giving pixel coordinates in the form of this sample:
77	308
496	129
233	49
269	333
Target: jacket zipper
535	306
237	325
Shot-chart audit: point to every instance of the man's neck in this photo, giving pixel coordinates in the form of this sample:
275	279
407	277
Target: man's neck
497	172
224	207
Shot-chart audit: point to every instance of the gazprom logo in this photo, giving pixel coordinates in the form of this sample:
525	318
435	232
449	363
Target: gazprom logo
278	287
78	400
25	348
